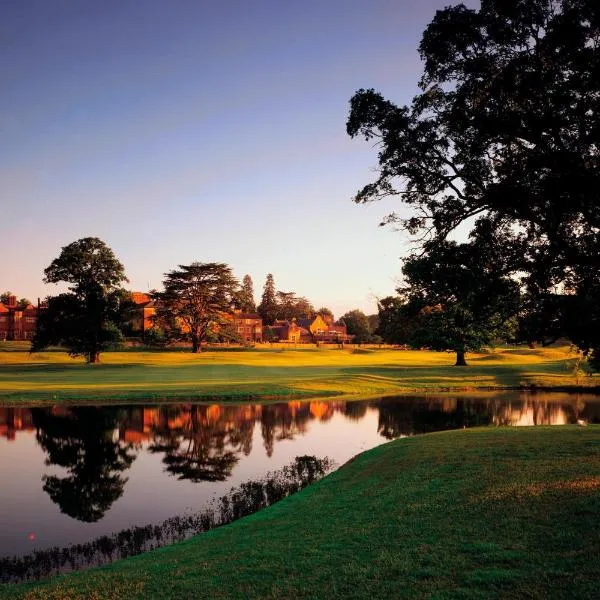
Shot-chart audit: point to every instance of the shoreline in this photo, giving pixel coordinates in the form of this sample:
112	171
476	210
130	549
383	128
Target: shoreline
435	513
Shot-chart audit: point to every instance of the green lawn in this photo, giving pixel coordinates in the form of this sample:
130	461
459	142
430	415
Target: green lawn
484	513
352	372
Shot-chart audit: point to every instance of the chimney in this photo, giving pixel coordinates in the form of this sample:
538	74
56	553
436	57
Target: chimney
11	301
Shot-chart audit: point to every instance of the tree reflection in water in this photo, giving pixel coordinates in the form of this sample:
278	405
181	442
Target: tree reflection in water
81	440
203	443
409	416
283	422
355	410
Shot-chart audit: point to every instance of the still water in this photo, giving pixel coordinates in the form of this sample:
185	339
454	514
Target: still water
69	474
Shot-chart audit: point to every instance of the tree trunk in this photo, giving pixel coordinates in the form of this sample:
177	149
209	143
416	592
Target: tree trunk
460	359
195	344
93	357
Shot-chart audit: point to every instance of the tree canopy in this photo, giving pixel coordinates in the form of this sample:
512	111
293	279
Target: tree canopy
86	319
195	300
290	306
505	138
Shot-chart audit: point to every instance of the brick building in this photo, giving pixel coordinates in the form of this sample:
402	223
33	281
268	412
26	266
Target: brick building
17	323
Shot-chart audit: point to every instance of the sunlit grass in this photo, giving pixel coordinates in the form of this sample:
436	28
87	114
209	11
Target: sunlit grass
278	372
483	513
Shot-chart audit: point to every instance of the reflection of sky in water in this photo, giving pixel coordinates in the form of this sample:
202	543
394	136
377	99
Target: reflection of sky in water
236	443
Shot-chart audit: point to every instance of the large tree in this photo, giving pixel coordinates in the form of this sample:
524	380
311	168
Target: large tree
86	319
457	300
505	135
195	300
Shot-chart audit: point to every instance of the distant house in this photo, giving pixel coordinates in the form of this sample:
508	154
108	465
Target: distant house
17	323
249	326
142	314
288	331
313	330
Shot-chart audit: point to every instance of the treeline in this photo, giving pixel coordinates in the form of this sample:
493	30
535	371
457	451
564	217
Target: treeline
195	304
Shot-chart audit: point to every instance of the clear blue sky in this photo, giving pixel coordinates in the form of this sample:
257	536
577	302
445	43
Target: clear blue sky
201	131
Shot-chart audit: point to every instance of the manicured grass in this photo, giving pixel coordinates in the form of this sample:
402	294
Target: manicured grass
353	372
484	513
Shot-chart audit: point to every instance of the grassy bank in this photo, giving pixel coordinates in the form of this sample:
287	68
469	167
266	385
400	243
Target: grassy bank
494	513
275	372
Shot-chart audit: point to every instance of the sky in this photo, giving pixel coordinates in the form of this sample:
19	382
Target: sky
205	131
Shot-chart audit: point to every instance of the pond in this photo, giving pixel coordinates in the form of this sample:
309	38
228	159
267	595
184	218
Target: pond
69	473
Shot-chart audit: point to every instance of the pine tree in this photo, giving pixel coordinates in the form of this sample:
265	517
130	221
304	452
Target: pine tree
268	307
246	296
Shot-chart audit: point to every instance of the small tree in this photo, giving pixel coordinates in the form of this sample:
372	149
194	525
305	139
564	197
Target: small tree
357	324
87	319
393	324
196	299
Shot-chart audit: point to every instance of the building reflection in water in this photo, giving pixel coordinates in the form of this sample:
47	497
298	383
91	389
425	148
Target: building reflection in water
200	442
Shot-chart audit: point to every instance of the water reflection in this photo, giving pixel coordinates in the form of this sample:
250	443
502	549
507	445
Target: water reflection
89	460
81	440
202	443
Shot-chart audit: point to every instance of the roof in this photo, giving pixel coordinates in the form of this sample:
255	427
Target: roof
140	297
3	308
243	315
305	323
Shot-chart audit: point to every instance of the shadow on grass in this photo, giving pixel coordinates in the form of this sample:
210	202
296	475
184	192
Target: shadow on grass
41	368
502	375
